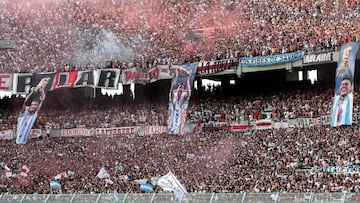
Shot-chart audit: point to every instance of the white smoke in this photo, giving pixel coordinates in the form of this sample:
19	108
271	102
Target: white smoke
98	49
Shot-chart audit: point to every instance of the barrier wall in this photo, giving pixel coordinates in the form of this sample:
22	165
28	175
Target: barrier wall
195	198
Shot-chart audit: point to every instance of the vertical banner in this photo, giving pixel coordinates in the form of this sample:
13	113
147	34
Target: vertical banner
344	85
40	85
180	91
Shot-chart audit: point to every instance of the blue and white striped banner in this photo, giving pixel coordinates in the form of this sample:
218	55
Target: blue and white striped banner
146	187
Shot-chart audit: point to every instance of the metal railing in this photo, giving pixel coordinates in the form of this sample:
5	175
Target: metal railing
194	198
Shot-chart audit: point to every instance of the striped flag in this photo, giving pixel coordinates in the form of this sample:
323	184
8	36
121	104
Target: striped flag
141	181
146	187
8	171
55	184
24	171
263	124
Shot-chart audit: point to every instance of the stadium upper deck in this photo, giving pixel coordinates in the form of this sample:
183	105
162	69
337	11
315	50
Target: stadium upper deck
50	35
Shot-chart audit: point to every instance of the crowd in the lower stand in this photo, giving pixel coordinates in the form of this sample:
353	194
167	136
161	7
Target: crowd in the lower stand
277	160
291	160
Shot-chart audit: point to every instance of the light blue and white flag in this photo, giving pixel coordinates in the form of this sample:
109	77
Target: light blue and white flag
141	181
116	196
55	184
146	187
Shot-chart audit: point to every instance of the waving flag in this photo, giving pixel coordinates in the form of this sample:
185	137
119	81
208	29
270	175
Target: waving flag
24	171
61	176
108	182
169	182
55	184
141	181
8	171
103	173
146	187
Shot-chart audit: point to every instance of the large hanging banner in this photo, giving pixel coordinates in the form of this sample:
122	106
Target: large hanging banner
344	80
40	85
180	91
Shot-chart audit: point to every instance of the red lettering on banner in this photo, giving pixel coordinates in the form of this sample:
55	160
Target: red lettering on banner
217	66
3	81
316	121
131	75
152	130
241	127
115	131
75	132
149	130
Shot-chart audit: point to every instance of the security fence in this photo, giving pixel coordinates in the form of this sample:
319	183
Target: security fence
193	198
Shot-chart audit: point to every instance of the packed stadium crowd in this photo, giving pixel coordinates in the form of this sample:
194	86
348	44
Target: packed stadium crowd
277	160
285	160
78	35
69	34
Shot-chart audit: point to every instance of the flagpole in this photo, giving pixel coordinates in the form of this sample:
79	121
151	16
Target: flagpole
94	92
153	197
98	198
47	198
126	195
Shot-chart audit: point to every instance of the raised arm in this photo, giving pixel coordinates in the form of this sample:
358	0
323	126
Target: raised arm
28	97
188	86
173	83
42	98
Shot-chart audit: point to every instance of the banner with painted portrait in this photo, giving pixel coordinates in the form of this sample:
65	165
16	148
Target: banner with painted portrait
40	85
179	95
344	86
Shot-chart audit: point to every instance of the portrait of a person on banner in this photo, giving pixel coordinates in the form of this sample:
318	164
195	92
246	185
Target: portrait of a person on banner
32	104
344	69
179	95
343	103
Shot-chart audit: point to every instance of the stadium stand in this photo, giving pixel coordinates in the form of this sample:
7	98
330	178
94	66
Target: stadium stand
293	164
87	34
